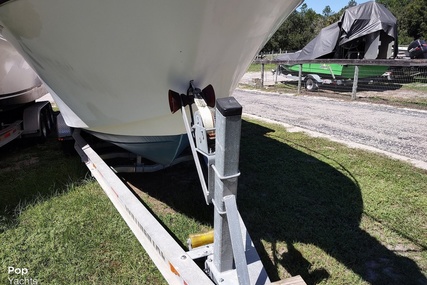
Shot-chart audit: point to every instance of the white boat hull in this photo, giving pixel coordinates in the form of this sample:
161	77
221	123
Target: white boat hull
19	84
110	65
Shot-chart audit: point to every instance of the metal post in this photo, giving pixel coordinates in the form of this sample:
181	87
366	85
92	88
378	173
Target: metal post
355	80
262	75
237	240
228	129
276	73
299	78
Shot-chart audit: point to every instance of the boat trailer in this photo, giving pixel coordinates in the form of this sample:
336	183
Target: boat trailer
214	133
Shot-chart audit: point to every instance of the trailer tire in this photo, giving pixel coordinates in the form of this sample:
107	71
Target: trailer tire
50	118
48	121
43	129
311	84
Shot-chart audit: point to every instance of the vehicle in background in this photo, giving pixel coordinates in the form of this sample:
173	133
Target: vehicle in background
20	87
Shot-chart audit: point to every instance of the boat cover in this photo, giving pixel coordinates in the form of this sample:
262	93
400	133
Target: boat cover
363	31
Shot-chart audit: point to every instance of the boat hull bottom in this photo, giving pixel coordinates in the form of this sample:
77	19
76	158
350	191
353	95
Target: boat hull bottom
159	149
10	101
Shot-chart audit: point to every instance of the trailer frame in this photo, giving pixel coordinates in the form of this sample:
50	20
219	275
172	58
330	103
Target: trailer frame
34	119
232	257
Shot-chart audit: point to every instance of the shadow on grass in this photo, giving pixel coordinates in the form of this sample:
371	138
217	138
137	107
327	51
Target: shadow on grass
286	197
163	186
292	197
31	172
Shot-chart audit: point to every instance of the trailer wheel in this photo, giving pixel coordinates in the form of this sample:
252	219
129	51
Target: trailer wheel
50	118
311	85
43	129
47	121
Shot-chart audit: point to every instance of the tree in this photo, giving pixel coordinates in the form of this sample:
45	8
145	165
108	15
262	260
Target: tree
327	11
295	32
303	25
414	16
351	3
408	25
303	8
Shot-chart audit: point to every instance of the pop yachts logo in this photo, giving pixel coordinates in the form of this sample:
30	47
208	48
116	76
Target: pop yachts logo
19	276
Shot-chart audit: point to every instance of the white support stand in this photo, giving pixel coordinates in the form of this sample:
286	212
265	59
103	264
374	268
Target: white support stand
234	259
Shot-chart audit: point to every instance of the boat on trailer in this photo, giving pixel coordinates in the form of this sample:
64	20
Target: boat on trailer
19	84
22	113
335	70
110	65
367	32
121	71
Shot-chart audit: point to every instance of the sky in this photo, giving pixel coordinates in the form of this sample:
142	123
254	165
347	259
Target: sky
336	5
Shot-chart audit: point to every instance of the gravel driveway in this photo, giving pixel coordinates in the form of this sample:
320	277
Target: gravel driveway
397	132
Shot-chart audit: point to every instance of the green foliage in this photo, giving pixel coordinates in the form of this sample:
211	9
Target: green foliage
411	17
295	32
327	11
414	19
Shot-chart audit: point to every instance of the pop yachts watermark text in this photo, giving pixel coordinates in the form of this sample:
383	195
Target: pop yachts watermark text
19	276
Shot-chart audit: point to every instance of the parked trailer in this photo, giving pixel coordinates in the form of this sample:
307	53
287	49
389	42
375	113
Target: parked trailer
20	87
313	81
398	68
35	120
231	258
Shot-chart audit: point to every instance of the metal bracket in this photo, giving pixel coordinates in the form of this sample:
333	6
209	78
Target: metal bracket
236	239
224	177
234	259
206	192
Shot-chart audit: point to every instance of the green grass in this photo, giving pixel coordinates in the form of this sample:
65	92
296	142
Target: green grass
422	87
255	67
330	213
33	172
314	208
277	88
410	102
61	226
76	238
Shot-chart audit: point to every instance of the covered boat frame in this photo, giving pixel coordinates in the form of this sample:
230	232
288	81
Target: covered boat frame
366	32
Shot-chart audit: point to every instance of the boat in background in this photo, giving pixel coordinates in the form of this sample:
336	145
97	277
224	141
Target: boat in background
23	112
334	70
109	65
19	84
366	31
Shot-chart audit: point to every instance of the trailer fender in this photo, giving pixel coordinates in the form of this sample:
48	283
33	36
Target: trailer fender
38	119
315	77
312	82
64	132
